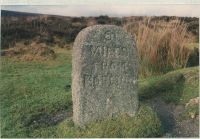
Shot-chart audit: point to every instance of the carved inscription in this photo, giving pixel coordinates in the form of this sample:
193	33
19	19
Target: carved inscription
107	71
108	52
107	81
114	50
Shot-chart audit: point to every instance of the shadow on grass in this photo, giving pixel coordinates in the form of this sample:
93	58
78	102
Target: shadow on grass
45	120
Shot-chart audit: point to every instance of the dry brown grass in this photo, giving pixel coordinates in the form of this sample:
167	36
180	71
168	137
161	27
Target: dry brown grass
162	46
32	52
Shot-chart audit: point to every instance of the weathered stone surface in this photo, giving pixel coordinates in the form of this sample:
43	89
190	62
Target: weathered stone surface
104	74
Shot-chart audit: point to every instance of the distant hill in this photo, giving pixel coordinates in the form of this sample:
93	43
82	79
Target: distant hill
15	13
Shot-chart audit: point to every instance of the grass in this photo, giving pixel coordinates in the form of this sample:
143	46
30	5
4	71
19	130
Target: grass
32	91
193	45
160	85
124	126
29	89
177	86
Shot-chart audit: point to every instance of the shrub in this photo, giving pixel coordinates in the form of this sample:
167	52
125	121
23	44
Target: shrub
31	52
103	19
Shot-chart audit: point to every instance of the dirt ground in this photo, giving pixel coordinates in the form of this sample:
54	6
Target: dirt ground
169	115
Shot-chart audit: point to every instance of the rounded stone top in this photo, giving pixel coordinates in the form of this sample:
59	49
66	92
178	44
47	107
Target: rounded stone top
102	33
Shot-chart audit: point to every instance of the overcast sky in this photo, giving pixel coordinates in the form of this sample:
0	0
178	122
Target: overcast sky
112	10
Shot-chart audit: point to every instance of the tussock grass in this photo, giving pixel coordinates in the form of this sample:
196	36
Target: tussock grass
162	46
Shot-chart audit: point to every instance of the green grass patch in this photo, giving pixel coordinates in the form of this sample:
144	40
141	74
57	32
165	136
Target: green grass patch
178	86
29	89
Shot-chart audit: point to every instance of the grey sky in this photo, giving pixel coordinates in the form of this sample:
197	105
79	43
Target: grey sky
112	10
77	2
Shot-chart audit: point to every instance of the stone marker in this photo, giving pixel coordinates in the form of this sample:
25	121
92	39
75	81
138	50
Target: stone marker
104	74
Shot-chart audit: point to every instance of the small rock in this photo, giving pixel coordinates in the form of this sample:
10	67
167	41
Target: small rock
192	115
192	102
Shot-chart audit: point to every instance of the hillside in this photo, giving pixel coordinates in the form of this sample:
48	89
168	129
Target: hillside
59	30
